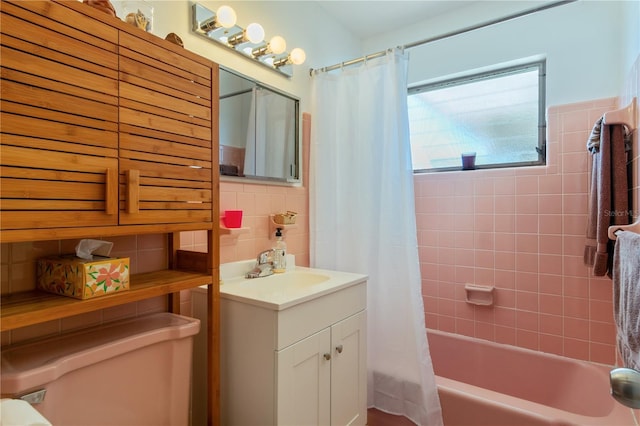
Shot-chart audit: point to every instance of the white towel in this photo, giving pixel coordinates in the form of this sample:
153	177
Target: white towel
626	296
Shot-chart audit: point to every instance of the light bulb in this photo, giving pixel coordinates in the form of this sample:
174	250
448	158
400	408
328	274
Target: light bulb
255	33
277	45
226	16
297	56
269	61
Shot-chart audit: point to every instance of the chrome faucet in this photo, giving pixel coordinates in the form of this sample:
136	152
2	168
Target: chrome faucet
264	265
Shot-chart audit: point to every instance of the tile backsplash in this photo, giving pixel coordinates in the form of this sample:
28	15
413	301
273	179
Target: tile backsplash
258	202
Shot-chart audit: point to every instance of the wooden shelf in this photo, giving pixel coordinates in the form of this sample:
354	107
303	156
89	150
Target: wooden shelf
234	232
44	234
81	164
33	307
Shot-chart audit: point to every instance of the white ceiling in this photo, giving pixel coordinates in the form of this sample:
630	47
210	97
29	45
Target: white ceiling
368	18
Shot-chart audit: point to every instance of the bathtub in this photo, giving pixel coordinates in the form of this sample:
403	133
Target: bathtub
485	383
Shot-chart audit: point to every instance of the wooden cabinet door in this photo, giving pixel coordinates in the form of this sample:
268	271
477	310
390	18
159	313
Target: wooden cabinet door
303	381
168	116
348	371
59	118
100	125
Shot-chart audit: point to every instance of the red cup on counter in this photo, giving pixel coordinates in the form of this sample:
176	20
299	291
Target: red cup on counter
232	218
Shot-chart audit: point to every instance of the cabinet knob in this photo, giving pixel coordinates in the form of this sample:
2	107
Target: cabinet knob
339	349
327	356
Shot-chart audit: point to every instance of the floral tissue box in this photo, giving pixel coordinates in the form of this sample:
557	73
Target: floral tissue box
69	275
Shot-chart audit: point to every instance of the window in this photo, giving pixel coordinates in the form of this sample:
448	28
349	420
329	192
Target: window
499	115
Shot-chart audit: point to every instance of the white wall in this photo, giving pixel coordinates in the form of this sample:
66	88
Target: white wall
302	23
631	35
587	45
590	46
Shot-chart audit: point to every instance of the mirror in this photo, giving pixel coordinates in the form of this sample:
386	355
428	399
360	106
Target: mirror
258	130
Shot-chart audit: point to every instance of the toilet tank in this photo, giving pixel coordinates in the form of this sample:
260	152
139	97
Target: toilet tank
131	372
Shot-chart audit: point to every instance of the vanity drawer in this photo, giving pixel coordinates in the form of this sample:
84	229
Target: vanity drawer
302	320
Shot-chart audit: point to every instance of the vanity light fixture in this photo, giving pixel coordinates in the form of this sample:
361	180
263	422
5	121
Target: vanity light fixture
253	34
276	45
224	17
296	57
220	26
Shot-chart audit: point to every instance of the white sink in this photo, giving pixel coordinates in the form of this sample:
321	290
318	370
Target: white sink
281	291
291	280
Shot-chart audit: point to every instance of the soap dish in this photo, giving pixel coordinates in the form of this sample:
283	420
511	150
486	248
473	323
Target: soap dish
479	294
288	218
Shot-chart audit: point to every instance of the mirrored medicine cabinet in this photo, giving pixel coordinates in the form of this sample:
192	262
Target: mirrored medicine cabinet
259	134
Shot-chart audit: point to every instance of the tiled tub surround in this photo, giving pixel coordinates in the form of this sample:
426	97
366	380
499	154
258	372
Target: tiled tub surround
522	230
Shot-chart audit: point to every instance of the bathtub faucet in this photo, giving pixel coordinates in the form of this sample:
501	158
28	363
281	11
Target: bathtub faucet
264	265
625	386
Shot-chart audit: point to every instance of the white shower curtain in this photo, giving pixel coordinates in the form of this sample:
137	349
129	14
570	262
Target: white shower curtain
269	140
362	219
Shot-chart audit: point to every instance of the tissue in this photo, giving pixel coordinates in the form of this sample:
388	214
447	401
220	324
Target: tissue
16	412
87	248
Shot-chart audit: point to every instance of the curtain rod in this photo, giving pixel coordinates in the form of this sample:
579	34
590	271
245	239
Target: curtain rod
443	36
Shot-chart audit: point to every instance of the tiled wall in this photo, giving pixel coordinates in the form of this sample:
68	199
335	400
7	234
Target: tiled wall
258	202
522	230
631	92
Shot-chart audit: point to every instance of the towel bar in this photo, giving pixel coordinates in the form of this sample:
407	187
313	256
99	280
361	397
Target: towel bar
626	116
634	227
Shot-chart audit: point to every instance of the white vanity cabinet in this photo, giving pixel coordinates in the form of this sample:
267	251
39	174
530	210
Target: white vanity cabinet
321	380
299	364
